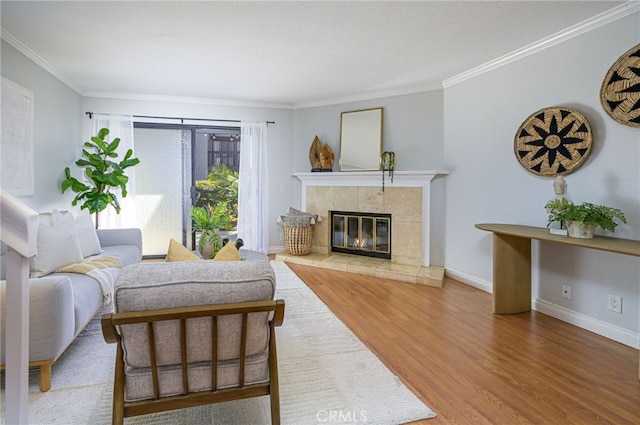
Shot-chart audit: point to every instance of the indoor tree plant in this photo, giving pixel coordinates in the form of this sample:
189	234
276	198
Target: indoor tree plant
209	220
104	175
582	219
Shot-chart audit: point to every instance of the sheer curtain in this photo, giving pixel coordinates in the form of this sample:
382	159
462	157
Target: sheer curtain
119	126
252	186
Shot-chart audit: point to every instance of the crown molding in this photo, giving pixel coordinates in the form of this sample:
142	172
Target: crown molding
368	96
25	50
573	31
22	48
604	18
183	99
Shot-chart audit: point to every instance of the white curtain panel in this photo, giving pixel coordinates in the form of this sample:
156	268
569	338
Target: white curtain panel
119	126
252	186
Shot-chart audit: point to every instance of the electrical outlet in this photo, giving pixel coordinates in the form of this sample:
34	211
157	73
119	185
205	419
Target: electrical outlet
615	304
566	291
281	236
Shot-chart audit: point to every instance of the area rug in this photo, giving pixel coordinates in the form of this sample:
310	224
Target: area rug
327	376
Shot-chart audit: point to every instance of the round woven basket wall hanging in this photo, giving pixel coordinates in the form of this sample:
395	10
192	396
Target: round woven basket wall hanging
620	92
553	141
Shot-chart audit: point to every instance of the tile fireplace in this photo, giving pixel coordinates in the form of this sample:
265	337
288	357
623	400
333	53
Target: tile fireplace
361	233
407	199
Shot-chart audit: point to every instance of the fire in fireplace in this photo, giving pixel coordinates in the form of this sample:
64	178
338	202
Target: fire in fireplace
361	233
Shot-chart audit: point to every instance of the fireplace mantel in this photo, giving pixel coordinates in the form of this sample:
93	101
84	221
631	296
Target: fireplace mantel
369	178
401	179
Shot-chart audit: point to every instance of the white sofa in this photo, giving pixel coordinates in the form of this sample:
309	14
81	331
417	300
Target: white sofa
61	304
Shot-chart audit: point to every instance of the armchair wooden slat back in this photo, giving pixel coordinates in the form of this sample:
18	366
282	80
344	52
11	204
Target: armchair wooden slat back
152	360
243	350
214	352
192	395
183	354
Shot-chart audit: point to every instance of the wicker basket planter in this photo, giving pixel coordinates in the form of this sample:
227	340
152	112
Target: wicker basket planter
297	240
298	231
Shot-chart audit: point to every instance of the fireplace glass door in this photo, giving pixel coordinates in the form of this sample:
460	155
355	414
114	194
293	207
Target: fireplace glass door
361	233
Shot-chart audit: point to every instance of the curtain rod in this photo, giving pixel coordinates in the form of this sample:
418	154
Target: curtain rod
179	118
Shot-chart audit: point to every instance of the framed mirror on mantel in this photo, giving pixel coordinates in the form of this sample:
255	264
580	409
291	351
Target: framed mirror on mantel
361	140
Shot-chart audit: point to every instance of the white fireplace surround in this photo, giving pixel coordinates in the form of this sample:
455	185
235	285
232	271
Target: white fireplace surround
421	179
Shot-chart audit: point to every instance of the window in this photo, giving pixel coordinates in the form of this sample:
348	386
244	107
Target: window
182	166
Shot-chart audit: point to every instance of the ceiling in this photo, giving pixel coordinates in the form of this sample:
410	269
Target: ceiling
289	54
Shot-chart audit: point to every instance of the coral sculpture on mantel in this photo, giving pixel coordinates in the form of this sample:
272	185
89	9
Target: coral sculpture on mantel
321	156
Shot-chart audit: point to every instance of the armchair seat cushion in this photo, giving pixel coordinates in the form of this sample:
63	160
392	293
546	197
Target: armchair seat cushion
139	383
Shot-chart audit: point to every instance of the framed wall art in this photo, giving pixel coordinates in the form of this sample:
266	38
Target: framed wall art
17	173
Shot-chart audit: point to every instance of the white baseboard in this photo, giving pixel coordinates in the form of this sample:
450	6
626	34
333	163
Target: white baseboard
276	249
600	327
483	285
597	326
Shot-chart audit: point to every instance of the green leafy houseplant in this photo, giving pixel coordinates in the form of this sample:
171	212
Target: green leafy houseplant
103	173
208	220
221	185
601	216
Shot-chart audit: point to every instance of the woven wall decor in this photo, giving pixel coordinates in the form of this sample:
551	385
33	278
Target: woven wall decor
620	92
553	141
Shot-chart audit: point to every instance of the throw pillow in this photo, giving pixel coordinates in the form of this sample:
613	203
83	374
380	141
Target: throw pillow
177	252
57	242
229	252
293	211
89	242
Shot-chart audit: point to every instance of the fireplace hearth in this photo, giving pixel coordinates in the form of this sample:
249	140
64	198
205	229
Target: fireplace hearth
361	233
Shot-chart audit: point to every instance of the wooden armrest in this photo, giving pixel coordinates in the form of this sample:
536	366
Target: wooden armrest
109	331
278	315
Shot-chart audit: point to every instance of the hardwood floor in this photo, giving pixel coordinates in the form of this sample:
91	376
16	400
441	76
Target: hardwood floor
473	367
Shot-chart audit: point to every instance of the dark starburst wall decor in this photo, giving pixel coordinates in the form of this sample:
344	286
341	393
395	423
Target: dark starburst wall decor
553	141
620	92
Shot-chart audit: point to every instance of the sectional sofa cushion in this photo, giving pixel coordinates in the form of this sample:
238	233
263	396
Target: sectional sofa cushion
89	242
50	329
58	244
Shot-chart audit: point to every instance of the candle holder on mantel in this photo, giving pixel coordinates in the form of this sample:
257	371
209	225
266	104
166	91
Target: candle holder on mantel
388	162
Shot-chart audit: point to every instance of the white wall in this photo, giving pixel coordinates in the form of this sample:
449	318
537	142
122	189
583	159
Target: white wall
412	127
57	132
279	138
487	184
61	127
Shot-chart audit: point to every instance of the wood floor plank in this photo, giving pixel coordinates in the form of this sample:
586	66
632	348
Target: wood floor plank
473	367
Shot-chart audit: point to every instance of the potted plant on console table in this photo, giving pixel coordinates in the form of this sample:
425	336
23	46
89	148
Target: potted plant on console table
581	220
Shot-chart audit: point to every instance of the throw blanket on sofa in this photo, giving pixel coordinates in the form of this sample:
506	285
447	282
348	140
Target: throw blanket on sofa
104	269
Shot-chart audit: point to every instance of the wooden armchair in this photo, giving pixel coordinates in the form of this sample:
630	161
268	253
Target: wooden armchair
160	386
193	333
